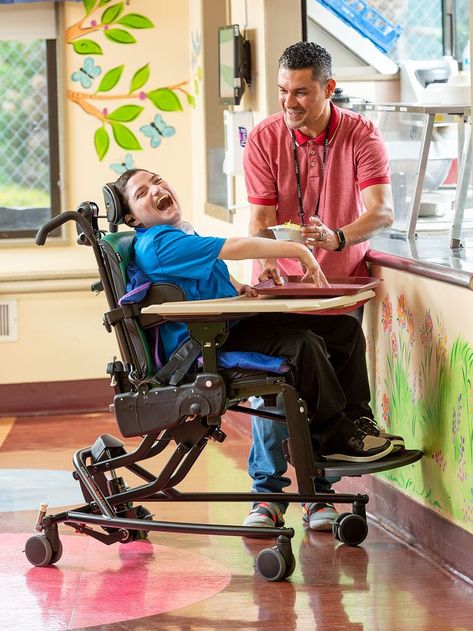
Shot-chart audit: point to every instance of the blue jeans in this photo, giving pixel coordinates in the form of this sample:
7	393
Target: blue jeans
267	463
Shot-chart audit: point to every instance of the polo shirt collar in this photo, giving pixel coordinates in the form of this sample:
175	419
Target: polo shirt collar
335	116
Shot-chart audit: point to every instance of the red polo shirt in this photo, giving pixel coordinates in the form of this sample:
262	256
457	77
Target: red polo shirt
356	158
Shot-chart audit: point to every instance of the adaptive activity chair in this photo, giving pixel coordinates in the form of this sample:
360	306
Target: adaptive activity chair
179	407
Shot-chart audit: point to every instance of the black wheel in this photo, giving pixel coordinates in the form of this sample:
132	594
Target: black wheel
350	529
271	564
291	566
38	551
336	523
57	552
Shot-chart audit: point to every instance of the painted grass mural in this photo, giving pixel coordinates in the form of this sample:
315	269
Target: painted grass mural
424	392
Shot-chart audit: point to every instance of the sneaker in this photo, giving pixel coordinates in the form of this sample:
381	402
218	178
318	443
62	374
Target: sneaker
319	515
361	447
265	515
370	426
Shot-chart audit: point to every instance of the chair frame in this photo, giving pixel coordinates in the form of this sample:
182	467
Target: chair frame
110	504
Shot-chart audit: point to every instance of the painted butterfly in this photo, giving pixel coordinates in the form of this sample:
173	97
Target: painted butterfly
87	73
156	130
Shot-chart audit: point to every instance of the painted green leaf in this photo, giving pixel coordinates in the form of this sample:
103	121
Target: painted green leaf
88	5
196	87
119	36
199	73
111	14
101	142
103	3
87	47
165	99
110	79
140	77
124	137
135	20
125	113
191	100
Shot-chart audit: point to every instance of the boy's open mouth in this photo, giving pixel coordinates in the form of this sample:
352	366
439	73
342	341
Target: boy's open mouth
164	202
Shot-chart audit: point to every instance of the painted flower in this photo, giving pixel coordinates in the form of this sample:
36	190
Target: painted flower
386	405
394	345
402	311
442	343
426	330
411	328
438	458
387	314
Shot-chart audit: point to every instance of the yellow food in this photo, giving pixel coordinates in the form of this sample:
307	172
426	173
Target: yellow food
292	226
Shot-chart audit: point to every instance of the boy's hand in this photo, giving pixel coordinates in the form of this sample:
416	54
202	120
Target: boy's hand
248	291
315	275
270	272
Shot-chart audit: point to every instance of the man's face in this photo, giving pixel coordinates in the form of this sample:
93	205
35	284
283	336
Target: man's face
302	98
152	200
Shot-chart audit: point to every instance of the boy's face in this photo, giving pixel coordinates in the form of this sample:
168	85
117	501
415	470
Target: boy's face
152	201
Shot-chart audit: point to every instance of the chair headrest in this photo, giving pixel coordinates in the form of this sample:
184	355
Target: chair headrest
113	204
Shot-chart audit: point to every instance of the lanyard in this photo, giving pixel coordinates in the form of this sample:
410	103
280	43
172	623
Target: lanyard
298	175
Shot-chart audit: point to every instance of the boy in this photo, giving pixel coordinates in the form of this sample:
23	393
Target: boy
166	253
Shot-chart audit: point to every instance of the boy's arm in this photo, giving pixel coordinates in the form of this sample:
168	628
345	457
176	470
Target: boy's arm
261	218
239	248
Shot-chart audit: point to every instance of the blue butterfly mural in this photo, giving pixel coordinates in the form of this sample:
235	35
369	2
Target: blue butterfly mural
87	74
121	167
157	130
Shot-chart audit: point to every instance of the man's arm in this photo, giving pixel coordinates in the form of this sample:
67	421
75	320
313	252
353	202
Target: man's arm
378	202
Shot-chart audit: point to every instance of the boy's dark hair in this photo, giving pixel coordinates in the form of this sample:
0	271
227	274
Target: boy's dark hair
120	187
308	55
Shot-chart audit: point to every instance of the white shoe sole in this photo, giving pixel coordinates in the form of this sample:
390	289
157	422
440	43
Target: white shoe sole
347	458
397	441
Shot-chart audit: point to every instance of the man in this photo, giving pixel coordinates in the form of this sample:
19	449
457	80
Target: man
165	253
326	169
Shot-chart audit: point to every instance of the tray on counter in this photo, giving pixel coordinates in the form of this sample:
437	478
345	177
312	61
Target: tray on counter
339	286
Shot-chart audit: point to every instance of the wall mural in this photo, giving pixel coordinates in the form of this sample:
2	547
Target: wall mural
99	88
424	392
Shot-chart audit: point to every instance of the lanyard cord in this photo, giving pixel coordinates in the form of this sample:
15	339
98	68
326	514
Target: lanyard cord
298	175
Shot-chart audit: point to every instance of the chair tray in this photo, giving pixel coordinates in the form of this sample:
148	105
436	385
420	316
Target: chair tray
340	286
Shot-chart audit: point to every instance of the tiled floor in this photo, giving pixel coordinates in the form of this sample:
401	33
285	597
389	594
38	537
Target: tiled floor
187	582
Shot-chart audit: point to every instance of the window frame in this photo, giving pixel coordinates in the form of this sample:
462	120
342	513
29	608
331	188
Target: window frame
52	80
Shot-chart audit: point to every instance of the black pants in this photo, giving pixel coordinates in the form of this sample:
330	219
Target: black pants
327	355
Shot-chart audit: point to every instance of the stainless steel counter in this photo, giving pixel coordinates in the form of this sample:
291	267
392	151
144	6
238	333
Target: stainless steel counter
427	255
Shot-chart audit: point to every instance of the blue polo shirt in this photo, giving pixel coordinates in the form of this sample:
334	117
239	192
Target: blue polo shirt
169	255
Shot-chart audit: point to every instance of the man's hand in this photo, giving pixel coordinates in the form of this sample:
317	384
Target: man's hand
318	235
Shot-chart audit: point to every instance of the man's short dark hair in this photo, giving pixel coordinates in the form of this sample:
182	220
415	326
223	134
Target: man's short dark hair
308	55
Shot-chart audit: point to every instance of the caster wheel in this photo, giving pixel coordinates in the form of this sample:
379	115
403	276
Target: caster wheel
271	564
57	552
291	566
38	551
350	529
129	536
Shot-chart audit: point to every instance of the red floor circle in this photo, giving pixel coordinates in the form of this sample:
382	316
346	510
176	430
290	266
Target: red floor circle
94	584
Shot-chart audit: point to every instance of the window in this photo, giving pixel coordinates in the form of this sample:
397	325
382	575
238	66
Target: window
29	164
424	26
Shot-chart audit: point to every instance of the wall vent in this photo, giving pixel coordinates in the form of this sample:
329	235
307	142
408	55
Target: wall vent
8	321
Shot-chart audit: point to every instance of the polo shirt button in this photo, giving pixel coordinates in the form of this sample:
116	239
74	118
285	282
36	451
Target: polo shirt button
312	164
312	152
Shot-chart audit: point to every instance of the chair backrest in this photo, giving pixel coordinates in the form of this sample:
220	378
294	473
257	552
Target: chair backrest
117	253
